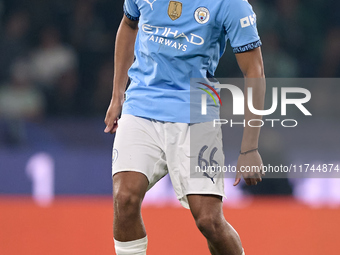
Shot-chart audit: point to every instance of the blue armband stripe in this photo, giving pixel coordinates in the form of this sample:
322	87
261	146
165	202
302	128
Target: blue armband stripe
247	47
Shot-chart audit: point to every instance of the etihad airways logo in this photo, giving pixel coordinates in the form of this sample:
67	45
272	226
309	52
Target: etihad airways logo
167	36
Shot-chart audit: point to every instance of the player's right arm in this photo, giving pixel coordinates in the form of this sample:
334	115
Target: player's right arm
240	29
123	59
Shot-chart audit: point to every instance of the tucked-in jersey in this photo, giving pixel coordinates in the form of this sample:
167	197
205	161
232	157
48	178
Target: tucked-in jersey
177	41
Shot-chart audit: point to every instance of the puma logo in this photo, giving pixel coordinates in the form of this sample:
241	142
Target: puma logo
211	178
150	3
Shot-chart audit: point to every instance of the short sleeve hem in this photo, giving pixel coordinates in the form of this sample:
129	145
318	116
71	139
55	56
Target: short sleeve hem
129	16
247	47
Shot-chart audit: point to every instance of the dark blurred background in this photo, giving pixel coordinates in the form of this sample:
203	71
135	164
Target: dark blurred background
60	52
56	68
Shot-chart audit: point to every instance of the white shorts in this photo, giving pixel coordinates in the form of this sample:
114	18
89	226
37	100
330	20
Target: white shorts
156	148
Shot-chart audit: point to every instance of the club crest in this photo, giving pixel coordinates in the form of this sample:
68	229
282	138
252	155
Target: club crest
114	156
202	15
175	10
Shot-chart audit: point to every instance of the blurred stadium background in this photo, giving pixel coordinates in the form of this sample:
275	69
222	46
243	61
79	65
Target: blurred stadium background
56	67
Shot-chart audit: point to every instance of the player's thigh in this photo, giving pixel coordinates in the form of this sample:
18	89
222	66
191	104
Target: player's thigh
129	187
137	149
209	207
197	146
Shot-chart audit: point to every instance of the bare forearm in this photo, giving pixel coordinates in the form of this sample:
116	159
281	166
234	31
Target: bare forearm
124	56
251	134
251	65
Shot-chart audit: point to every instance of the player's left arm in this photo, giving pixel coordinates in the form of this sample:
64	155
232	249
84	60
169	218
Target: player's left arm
251	65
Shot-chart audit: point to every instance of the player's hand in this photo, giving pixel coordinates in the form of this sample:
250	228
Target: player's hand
245	167
112	116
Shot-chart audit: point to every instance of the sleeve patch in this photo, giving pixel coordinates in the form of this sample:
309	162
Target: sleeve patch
128	15
247	47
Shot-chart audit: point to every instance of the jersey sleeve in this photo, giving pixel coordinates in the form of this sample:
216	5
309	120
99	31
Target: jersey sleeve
131	10
240	26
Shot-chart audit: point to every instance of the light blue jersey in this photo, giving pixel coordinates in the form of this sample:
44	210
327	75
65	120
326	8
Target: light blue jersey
177	41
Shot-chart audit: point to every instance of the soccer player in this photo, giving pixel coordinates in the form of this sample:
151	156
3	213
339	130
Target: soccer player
161	45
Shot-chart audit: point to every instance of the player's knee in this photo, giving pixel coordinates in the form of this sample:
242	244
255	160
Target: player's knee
208	225
127	203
